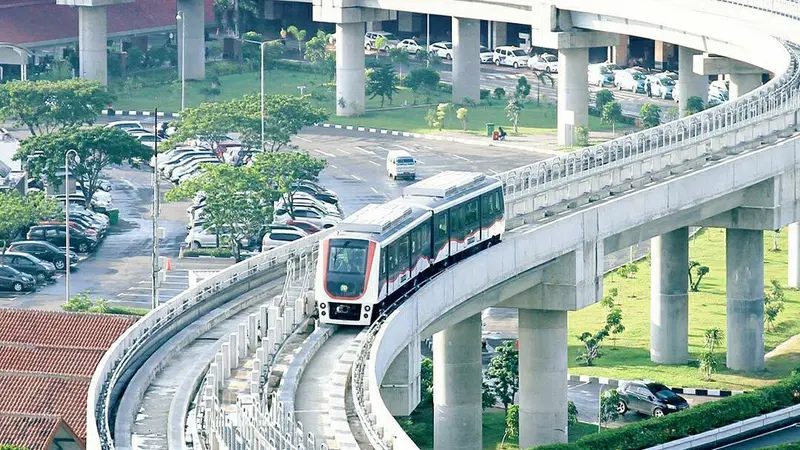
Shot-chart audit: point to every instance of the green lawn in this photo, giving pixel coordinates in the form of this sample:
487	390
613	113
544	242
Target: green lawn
494	425
631	359
140	96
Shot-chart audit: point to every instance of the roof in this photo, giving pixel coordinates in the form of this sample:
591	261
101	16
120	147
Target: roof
377	218
34	394
42	21
31	431
445	184
59	329
70	362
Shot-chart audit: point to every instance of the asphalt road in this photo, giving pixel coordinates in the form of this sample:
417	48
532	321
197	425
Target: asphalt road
783	436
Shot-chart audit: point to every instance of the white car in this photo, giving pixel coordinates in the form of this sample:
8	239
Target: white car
371	36
149	140
125	124
201	237
486	55
545	62
410	46
441	49
311	215
190	167
510	56
301	198
167	168
280	235
167	157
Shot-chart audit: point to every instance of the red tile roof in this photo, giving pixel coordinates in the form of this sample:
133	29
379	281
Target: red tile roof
30	431
26	358
35	21
58	329
32	394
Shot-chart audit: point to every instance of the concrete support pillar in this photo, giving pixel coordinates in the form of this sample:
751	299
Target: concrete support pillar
92	35
193	13
690	83
742	83
669	298
400	388
457	376
744	254
542	377
573	93
466	60
375	25
405	21
794	255
499	34
350	78
661	54
618	54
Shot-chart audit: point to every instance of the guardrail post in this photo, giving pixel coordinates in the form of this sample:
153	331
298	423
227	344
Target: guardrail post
252	332
288	317
226	361
299	309
263	311
280	329
255	379
219	363
310	300
259	358
242	338
211	377
274	313
233	357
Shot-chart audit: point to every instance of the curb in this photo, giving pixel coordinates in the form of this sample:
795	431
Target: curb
104	112
678	390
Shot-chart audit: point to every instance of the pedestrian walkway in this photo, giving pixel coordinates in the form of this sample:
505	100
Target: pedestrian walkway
544	143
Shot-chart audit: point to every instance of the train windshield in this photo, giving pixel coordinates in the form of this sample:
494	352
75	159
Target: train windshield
348	256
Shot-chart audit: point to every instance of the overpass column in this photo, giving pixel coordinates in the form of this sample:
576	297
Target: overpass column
499	34
542	377
618	54
744	254
457	379
669	298
92	36
690	83
193	13
573	92
350	78
794	255
466	60
742	83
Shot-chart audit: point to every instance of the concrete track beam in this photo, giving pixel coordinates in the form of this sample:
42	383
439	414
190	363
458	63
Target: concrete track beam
704	64
400	389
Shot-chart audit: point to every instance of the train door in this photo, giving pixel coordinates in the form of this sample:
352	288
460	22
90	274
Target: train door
441	237
472	222
420	248
456	229
491	214
382	275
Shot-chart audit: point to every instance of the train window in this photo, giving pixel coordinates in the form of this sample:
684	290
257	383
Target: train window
440	235
403	256
420	241
471	217
348	256
457	222
500	203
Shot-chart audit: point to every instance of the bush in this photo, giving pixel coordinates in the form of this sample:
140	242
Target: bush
698	419
447	88
219	252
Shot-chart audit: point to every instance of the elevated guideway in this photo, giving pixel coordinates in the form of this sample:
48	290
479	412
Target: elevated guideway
733	165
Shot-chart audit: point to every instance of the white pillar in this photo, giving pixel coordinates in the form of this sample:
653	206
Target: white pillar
742	83
466	60
252	332
690	84
794	255
194	15
457	412
499	34
350	78
669	298
375	25
573	93
618	54
92	35
542	377
744	254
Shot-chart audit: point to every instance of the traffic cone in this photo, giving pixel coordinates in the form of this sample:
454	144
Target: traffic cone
169	264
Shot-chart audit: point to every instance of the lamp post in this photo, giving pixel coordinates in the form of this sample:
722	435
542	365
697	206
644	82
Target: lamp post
180	19
428	41
77	160
262	45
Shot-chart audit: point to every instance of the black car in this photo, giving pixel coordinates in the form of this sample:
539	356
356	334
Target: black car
653	399
14	280
46	252
42	271
57	235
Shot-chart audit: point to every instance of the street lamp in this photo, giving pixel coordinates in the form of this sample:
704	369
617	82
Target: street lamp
179	18
428	40
77	160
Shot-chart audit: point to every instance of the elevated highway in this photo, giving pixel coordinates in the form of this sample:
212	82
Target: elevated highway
732	166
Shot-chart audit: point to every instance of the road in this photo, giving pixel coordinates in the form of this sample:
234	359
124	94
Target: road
783	436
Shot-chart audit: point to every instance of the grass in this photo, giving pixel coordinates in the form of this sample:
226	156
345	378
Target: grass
141	95
631	359
494	425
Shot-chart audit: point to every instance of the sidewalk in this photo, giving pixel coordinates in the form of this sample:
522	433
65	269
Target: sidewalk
539	143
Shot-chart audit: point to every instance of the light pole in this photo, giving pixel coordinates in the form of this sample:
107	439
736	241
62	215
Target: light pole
179	18
428	41
262	45
156	198
77	160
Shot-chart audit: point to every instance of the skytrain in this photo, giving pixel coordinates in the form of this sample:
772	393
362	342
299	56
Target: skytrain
382	250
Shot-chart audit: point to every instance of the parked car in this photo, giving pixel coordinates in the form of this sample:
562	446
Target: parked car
57	235
486	55
169	170
125	124
104	185
629	80
206	237
73	226
278	236
166	164
371	36
441	49
661	85
302	198
653	399
309	214
149	140
510	56
600	75
46	252
411	46
13	280
545	62
190	167
166	156
317	191
42	271
306	226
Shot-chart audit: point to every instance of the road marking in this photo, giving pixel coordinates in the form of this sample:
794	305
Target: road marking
382	148
368	152
128	294
461	157
410	150
147	288
374	190
333	167
494	172
303	139
343	151
578	385
419	161
359	179
329	155
373	162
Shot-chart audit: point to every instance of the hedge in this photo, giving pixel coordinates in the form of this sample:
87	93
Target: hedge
693	421
792	446
219	252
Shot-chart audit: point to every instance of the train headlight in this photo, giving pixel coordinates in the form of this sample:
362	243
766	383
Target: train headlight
322	313
366	308
322	305
343	288
366	316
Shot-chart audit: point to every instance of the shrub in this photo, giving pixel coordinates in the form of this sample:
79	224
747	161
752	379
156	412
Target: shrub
444	87
219	252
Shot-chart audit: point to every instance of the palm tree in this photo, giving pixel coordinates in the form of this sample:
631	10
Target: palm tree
380	43
300	35
542	77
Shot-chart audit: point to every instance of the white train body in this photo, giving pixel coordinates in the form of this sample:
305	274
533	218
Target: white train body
381	250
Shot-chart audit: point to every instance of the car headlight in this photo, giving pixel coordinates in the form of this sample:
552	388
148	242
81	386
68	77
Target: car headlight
672	407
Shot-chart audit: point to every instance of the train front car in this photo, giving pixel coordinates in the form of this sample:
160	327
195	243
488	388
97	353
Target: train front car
347	279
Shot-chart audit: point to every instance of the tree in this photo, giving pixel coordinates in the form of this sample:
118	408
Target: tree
513	109
210	122
700	271
426	381
591	345
43	106
602	98
422	80
650	115
581	136
503	373
380	44
441	114
430	118
499	93
238	201
614	324
708	363
712	337
97	148
400	57
382	81
609	301
572	413
488	400
542	77
317	47
461	114
773	304
611	113
694	105
512	424
523	89
300	36
17	212
12	447
282	170
609	401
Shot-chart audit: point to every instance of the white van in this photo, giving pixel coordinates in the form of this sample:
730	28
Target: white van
399	163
